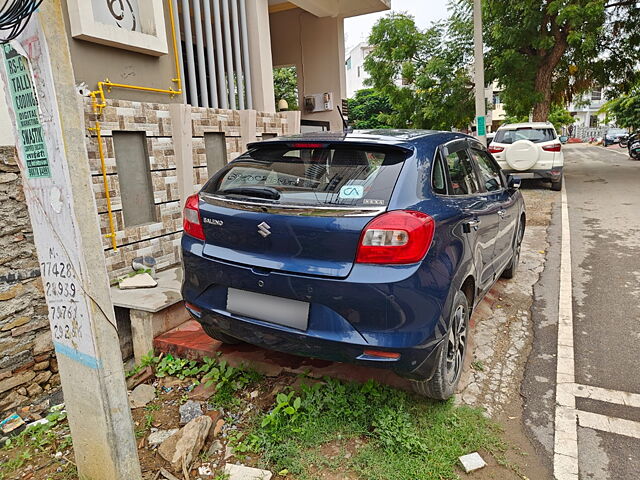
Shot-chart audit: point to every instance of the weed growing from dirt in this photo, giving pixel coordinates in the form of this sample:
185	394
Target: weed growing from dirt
398	436
42	439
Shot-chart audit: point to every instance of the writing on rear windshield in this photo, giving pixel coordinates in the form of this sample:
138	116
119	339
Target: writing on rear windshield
334	175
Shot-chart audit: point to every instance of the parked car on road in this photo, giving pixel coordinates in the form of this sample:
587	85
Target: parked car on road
369	247
532	150
613	136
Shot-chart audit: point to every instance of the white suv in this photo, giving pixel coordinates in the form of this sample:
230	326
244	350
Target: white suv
530	150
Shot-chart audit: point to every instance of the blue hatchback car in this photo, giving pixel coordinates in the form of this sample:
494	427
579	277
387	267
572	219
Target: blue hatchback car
370	247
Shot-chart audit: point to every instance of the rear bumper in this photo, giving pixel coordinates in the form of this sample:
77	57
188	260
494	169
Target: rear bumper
400	311
415	364
552	175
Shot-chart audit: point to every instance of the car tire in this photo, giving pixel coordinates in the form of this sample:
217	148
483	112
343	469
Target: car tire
510	271
218	335
557	186
450	358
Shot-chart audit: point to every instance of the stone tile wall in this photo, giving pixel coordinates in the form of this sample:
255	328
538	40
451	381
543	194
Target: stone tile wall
160	239
28	368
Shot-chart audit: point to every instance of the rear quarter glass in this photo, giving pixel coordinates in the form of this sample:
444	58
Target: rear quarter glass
328	175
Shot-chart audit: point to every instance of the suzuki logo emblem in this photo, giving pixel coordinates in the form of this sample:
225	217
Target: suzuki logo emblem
264	229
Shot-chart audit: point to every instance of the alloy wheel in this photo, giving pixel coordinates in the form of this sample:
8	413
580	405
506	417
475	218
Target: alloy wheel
456	344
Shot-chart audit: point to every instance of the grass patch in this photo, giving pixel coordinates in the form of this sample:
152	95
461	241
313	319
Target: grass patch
401	436
38	441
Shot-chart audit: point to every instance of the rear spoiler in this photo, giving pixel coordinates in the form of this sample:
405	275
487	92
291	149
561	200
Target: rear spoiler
295	143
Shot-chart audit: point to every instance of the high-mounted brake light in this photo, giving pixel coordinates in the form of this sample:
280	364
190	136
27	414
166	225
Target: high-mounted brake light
308	145
495	149
555	147
192	223
398	238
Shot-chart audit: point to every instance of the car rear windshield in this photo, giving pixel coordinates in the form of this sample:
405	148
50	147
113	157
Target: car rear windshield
535	135
319	175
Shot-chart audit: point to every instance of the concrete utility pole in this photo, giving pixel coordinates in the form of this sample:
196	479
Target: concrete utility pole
49	127
481	106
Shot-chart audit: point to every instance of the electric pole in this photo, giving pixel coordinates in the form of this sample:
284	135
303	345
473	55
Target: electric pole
48	123
481	106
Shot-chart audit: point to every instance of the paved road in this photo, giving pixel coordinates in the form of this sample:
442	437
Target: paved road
587	315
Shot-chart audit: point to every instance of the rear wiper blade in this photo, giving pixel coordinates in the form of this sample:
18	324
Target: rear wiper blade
259	192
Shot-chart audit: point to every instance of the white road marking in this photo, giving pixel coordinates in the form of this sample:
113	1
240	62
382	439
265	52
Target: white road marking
605	395
620	152
567	417
604	423
565	458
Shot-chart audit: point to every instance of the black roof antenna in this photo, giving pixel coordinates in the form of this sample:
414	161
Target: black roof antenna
345	126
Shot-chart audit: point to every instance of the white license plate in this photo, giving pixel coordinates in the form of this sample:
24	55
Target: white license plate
524	175
282	311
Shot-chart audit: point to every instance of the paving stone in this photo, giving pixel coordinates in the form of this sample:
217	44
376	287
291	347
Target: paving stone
240	472
142	280
472	462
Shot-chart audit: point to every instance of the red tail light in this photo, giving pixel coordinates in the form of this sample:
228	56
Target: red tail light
398	237
495	149
192	223
556	147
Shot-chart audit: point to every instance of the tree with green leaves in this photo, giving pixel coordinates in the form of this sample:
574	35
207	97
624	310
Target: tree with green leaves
370	109
560	117
625	109
546	52
436	89
285	86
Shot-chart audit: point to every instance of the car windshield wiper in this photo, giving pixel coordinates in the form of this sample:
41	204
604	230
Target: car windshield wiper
257	192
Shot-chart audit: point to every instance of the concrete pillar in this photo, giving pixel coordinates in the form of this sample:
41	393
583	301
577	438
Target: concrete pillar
57	181
260	55
316	47
293	121
247	128
182	136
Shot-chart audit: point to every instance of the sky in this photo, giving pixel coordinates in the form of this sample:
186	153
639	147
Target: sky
357	29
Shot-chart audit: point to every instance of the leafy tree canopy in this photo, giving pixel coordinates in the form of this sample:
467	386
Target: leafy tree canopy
285	86
545	52
560	117
625	109
436	90
370	109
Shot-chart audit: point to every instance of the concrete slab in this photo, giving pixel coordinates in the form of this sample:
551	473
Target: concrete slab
190	341
142	280
472	462
152	300
240	472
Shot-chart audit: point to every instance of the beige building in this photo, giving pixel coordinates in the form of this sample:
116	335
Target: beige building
175	88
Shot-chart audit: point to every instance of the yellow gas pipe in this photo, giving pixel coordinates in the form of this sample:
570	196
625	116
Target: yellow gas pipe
98	107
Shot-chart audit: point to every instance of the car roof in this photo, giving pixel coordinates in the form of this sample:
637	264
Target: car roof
405	138
515	126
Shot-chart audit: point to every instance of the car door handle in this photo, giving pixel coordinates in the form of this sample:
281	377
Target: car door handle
474	223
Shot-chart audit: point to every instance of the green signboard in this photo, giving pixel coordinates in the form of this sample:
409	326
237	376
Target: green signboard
25	106
482	126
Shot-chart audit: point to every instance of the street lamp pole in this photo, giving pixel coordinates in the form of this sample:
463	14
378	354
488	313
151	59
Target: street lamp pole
481	129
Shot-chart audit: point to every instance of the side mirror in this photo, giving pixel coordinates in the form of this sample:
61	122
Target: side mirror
513	182
564	139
